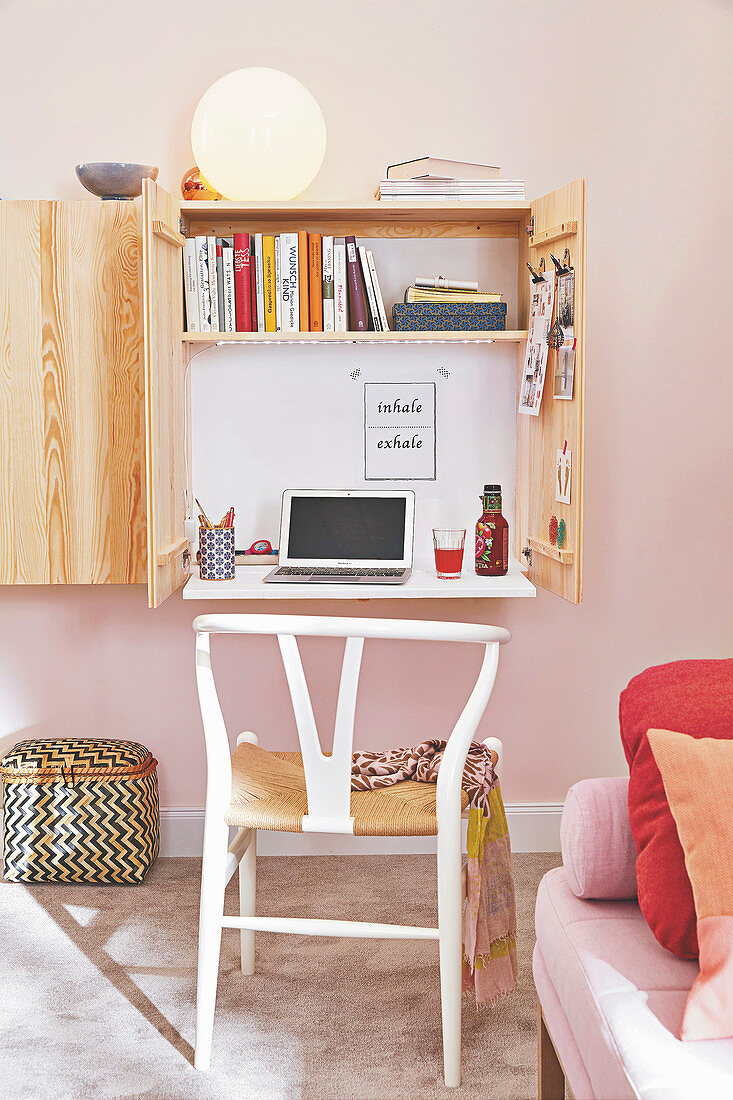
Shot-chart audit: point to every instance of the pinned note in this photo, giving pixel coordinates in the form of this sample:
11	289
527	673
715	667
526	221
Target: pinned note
563	474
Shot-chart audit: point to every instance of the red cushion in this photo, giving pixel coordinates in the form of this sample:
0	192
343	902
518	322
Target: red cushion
692	697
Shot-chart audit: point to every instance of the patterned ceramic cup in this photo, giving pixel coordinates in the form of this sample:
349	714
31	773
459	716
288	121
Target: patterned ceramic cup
216	545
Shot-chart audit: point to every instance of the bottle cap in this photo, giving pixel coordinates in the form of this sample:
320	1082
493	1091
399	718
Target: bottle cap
492	488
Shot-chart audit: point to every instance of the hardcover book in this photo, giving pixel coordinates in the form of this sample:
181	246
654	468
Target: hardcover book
315	282
213	285
202	271
270	288
220	280
303	289
229	321
242	291
190	285
290	278
449	317
377	291
339	286
375	323
357	304
260	282
253	282
278	287
329	316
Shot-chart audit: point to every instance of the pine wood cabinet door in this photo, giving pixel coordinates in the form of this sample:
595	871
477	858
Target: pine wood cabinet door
558	223
166	395
71	480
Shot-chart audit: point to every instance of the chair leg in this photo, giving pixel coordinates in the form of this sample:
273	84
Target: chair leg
550	1075
247	893
216	839
449	939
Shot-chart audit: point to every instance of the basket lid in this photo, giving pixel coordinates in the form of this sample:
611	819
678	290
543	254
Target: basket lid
77	753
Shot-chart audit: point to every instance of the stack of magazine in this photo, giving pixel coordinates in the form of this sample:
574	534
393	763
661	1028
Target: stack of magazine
433	179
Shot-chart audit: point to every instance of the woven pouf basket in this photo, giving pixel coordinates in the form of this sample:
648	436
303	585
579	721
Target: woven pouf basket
79	810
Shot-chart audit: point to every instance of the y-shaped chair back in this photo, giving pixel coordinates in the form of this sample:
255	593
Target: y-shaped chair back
328	791
328	778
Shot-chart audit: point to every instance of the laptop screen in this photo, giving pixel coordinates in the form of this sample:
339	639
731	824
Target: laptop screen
347	528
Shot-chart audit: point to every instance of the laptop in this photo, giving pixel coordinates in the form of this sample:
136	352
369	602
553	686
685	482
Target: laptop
345	536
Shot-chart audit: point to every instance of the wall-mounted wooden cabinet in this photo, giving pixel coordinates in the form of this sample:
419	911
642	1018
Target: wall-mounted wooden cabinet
72	505
91	301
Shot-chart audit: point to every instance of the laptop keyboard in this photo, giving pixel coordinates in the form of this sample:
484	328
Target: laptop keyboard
299	571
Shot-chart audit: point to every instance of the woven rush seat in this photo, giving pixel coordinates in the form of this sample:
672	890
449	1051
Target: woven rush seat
268	792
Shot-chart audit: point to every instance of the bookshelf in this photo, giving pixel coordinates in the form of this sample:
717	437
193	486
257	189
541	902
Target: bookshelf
552	222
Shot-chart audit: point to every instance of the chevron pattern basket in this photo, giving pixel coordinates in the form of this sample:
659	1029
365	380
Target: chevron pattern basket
79	810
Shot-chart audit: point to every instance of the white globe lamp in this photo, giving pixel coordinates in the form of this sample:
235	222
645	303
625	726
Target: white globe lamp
258	135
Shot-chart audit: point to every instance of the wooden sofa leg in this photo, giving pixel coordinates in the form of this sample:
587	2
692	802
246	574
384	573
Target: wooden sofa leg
550	1076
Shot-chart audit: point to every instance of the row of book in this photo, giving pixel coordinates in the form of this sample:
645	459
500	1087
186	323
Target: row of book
286	282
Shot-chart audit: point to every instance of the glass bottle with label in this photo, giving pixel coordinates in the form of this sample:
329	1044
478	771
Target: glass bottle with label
492	536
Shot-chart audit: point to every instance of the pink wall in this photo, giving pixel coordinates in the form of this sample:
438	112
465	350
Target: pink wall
638	100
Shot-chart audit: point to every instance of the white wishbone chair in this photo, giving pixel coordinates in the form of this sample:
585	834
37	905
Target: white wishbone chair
324	803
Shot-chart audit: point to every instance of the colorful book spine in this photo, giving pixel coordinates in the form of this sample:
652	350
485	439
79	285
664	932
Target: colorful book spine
377	292
213	285
315	282
278	287
375	323
190	285
289	263
204	295
303	290
329	316
357	305
260	283
339	286
242	292
269	285
253	282
220	280
230	323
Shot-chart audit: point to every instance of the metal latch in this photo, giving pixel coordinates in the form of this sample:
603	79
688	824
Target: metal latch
528	554
529	227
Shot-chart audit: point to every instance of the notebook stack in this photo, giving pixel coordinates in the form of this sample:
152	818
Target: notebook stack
432	179
438	304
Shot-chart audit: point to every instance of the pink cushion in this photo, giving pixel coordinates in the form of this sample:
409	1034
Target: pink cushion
623	997
598	850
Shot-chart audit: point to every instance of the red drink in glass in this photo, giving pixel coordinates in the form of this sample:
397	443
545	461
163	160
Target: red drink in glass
448	545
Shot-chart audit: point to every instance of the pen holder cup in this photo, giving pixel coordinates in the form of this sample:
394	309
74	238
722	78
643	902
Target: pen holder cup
216	546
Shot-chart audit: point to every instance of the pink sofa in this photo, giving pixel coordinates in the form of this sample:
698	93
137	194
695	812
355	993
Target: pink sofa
610	997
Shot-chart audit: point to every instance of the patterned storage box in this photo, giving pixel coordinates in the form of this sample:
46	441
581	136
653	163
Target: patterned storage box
79	810
449	316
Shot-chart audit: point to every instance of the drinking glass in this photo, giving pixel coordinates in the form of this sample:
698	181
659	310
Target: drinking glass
448	544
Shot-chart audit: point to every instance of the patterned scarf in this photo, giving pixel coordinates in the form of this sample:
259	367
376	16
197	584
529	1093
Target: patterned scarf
489	915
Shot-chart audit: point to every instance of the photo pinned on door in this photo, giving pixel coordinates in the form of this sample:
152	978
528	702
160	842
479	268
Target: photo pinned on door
562	389
541	301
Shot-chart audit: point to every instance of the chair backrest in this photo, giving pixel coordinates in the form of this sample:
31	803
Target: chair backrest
328	778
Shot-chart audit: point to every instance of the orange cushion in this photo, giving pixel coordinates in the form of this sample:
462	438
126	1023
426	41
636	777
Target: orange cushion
698	781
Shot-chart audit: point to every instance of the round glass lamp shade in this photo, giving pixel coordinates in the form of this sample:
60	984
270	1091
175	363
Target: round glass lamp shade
258	135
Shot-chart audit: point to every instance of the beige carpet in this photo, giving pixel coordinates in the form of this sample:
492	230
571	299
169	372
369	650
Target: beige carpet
98	992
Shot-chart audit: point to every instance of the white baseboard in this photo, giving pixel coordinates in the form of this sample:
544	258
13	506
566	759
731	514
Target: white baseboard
533	827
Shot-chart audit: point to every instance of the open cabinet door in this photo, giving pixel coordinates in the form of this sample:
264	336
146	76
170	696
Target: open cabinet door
167	462
558	223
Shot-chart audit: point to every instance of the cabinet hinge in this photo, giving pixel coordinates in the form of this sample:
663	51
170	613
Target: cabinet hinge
182	227
528	554
529	227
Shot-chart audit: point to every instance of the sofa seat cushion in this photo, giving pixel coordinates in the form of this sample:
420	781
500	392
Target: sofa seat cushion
624	996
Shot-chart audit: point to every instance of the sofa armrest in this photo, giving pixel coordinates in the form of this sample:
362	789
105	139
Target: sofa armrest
598	850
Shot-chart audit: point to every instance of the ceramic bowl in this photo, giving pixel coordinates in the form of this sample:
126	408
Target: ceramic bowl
109	180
